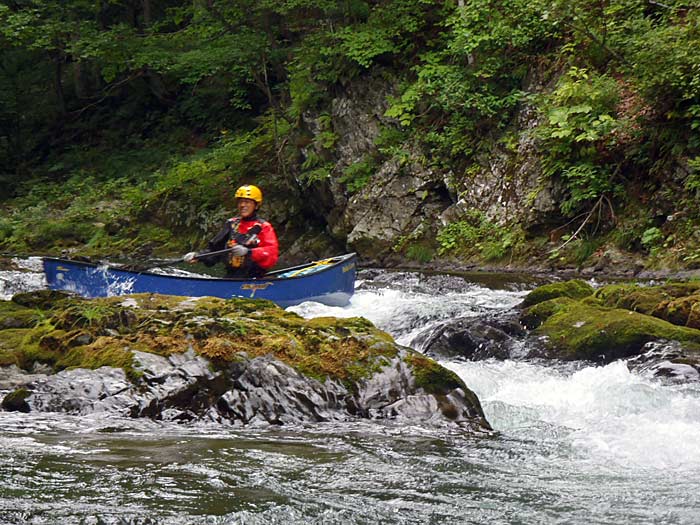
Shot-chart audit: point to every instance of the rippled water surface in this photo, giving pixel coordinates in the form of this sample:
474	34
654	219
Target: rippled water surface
575	444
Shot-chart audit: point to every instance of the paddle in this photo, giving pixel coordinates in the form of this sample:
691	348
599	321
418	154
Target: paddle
159	263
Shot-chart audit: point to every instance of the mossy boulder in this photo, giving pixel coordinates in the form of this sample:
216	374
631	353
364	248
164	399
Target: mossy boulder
677	303
683	311
574	289
223	339
577	330
79	333
15	401
535	315
13	315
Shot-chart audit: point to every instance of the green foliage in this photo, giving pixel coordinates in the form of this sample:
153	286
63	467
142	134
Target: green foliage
420	253
476	235
580	107
580	124
194	194
692	182
6	228
651	237
469	79
357	175
391	27
663	56
317	174
122	120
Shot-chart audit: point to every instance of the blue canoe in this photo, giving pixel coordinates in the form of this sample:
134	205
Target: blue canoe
329	281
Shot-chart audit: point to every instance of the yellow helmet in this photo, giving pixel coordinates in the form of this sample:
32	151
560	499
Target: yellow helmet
249	192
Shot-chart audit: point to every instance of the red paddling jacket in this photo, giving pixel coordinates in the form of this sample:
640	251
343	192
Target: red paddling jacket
254	233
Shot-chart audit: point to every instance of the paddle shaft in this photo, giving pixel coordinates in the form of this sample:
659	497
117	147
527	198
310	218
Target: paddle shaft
182	259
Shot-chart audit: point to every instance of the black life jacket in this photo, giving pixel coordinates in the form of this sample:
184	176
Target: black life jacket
248	239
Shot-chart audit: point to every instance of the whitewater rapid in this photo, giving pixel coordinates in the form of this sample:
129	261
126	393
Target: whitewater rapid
575	443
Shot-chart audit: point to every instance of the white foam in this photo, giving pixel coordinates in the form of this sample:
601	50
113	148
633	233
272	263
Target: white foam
608	413
406	313
18	281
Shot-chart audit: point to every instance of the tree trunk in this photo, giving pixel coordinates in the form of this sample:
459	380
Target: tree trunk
58	82
147	13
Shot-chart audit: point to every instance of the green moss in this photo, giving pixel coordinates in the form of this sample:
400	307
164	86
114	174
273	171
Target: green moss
580	331
673	302
644	299
682	311
575	289
105	351
106	331
535	315
44	299
431	376
20	346
13	315
694	317
93	315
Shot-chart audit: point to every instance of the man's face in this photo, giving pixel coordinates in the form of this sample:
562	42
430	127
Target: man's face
246	207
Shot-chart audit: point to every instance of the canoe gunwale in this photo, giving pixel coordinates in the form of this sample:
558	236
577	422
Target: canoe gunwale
268	277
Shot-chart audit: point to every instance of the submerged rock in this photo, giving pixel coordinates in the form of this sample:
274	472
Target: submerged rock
235	361
667	359
474	338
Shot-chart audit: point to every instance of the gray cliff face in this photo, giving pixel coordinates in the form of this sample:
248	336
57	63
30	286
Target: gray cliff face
406	196
397	202
257	391
507	185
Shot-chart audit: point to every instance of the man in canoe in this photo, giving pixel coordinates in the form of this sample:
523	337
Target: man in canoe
252	241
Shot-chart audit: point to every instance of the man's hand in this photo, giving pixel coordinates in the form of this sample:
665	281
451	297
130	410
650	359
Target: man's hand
190	258
239	250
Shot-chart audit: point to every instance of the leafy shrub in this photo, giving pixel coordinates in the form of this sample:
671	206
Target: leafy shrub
651	238
692	182
6	229
420	253
478	236
357	175
48	233
580	122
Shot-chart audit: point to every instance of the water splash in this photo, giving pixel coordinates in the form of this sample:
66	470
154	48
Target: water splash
28	277
409	310
607	414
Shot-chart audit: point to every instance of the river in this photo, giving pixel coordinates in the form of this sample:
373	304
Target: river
575	444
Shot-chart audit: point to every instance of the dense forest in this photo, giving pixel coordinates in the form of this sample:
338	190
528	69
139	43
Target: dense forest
126	125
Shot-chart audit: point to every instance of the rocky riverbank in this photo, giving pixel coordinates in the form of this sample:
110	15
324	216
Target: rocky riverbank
232	361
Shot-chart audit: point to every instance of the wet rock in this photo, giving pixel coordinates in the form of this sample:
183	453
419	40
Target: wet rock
474	338
12	377
667	359
586	330
235	361
254	391
82	391
16	401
